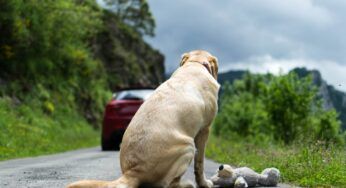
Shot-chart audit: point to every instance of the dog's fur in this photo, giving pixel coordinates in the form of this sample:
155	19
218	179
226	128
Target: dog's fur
162	138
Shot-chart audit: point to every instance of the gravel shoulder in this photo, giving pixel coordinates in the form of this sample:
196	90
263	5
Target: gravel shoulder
61	169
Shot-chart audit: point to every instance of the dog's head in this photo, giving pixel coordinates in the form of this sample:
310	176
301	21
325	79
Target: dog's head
203	57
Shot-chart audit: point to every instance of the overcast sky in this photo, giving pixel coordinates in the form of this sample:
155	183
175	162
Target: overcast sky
259	35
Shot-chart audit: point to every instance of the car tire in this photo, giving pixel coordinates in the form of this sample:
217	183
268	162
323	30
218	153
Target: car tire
105	145
110	145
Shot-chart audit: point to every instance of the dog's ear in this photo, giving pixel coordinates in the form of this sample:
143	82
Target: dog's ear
214	66
184	58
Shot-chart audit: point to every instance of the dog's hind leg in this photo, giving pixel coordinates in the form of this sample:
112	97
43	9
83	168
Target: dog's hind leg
177	183
124	182
178	169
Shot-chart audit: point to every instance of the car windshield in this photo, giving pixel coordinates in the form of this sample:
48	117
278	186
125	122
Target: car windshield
138	94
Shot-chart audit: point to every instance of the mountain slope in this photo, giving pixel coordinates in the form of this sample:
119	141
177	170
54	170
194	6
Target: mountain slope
128	59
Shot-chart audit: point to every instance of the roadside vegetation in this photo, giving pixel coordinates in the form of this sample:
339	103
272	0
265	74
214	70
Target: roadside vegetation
27	130
60	61
303	164
279	121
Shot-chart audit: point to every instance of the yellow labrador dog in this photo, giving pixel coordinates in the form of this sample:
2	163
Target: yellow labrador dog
162	138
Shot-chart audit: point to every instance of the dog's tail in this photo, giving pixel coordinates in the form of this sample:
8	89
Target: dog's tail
122	182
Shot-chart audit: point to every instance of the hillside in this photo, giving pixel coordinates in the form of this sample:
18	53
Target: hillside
332	98
127	58
60	61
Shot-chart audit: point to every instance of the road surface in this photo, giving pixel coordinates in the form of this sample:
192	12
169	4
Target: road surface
61	169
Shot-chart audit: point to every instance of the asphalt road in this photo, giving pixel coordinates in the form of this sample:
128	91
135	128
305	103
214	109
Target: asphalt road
61	169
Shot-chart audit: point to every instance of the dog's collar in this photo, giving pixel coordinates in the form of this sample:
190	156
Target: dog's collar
205	64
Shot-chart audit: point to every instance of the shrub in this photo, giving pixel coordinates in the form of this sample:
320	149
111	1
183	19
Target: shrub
282	108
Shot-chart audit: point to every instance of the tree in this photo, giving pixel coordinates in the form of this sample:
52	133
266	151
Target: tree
290	101
135	13
44	37
284	108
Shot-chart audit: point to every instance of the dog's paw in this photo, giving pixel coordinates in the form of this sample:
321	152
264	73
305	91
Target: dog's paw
206	184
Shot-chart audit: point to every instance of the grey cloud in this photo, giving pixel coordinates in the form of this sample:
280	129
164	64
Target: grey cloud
236	30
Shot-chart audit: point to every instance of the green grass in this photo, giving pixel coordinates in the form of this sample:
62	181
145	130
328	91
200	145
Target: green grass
310	165
33	128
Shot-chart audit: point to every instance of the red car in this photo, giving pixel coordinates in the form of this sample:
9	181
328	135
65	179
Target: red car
118	114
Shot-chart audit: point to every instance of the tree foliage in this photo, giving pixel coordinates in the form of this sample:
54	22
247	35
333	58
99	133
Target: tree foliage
135	13
283	108
63	46
46	43
43	37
